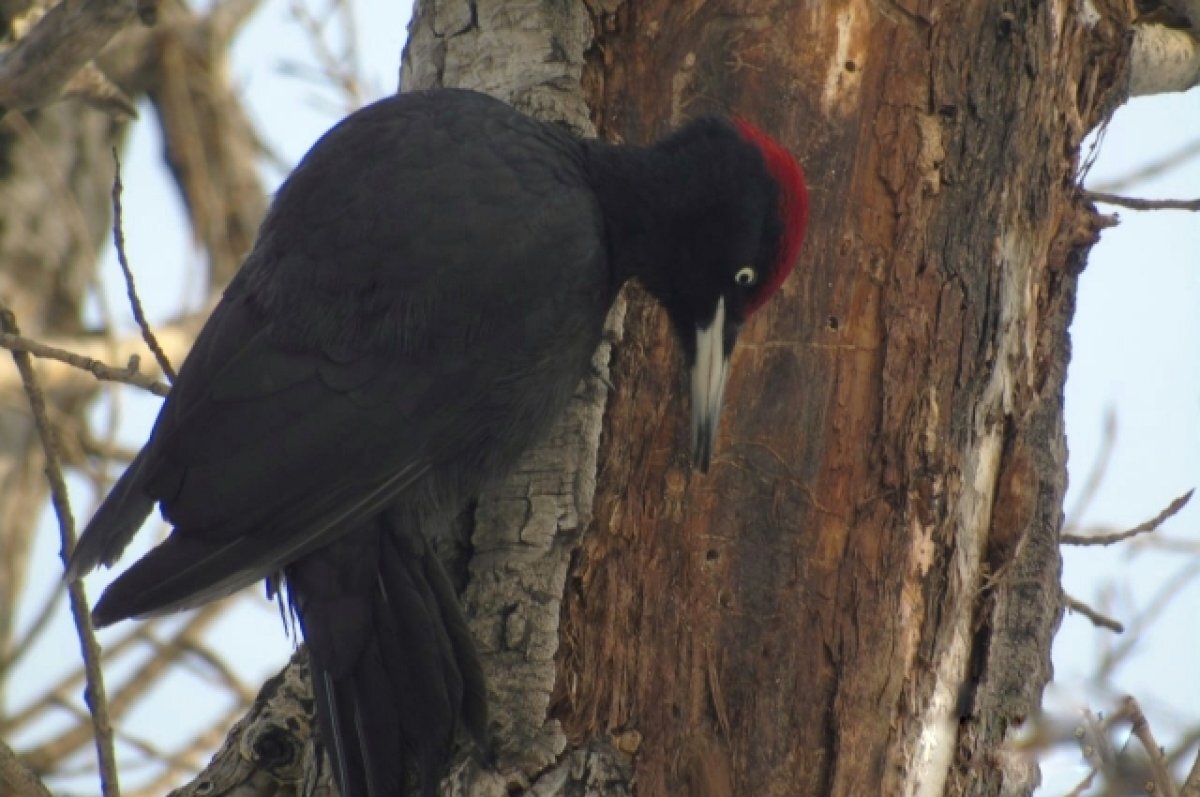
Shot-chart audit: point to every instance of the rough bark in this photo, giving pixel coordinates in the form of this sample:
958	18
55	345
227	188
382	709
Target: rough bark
860	598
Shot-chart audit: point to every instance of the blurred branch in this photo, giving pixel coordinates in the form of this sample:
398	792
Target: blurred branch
1083	785
340	71
1150	170
47	755
190	754
1133	203
39	67
15	778
1191	784
1098	619
1163	59
94	692
1144	619
57	183
1142	528
1158	768
211	146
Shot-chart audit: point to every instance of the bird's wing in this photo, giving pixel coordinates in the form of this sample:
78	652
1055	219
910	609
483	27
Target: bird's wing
397	306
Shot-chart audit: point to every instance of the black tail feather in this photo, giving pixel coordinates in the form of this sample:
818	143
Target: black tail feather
394	670
113	526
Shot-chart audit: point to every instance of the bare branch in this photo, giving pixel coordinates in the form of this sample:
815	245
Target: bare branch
94	693
135	303
1134	203
1094	743
1083	785
39	66
1163	59
1098	619
129	375
1142	528
95	88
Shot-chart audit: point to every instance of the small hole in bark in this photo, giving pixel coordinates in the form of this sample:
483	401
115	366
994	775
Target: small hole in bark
1006	24
851	66
712	555
834	323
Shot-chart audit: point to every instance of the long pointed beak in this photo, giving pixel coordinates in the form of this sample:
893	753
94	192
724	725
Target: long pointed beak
709	373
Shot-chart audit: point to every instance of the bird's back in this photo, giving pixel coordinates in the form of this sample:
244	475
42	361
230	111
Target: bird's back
424	294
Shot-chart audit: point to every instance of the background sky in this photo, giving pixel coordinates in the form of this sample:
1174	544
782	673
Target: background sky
1135	351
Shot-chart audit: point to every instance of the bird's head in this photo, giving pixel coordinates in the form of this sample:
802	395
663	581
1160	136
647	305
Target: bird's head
738	216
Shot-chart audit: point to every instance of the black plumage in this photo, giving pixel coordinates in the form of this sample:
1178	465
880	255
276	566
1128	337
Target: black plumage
423	298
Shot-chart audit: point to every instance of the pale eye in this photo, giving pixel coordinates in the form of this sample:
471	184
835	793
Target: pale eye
745	276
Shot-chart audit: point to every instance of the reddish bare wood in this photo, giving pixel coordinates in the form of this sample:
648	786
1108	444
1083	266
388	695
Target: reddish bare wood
771	629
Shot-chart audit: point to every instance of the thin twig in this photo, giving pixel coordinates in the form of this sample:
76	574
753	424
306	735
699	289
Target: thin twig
1142	528
1134	203
1083	785
134	302
1098	619
1150	170
129	375
93	694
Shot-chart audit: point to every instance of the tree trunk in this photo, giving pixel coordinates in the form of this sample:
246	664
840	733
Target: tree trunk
860	598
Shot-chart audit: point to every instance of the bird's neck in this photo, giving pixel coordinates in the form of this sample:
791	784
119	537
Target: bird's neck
637	188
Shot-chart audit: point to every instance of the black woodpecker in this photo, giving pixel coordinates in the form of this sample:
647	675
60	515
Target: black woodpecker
424	296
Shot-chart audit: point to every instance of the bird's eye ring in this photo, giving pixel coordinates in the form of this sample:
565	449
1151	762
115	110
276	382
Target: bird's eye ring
745	276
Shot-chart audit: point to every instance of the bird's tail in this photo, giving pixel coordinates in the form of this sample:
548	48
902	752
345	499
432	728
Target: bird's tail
113	525
394	668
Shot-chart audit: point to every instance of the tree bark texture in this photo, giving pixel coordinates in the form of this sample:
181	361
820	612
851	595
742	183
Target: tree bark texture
860	598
